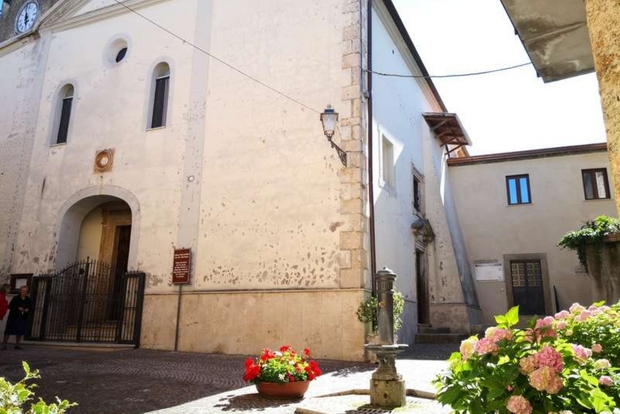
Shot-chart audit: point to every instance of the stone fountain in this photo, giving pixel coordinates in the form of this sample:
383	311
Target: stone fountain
387	387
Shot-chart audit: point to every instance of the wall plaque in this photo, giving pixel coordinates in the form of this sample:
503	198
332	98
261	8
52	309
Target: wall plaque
181	267
489	271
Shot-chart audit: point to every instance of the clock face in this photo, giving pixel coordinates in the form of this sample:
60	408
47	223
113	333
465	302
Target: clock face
27	17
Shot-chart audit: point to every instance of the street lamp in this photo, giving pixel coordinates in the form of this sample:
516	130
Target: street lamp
329	119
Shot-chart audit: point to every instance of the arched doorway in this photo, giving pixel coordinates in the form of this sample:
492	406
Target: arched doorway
92	297
98	227
105	235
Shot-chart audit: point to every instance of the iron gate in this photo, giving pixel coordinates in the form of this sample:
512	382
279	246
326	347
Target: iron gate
87	302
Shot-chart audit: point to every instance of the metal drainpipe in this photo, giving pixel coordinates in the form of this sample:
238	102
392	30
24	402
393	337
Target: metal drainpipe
371	192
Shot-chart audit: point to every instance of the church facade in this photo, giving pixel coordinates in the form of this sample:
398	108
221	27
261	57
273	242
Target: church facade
133	130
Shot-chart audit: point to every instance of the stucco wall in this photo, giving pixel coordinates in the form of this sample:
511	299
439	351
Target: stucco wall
109	111
20	90
398	104
90	235
270	183
493	229
314	319
240	174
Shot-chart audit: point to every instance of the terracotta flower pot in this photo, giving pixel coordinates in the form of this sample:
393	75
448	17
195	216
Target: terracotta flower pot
286	391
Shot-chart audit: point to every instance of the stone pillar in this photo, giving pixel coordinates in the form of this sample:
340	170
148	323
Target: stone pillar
387	387
603	17
385	313
354	235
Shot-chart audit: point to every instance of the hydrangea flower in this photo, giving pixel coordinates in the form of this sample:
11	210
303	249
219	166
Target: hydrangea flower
551	358
517	404
602	364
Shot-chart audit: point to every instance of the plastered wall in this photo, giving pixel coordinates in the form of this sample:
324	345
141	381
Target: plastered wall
493	229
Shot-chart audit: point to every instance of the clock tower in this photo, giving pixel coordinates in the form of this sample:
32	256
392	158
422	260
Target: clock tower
19	16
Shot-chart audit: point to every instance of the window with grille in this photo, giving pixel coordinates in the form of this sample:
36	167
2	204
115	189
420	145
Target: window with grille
527	286
595	184
518	189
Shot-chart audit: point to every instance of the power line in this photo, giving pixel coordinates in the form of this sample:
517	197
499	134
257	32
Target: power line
457	75
218	59
298	102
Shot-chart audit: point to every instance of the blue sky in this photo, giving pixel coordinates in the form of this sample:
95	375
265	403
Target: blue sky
506	111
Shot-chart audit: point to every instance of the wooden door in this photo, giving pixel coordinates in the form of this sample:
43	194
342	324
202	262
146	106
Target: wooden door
422	288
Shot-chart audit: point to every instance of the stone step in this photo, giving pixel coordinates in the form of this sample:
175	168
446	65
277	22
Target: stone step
431	330
440	338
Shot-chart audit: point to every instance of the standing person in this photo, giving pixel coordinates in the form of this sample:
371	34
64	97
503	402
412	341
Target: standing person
19	309
4	305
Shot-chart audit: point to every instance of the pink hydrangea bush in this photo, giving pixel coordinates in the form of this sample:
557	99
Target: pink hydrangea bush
595	327
538	370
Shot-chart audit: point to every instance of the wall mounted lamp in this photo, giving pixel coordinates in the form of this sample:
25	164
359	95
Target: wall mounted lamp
329	119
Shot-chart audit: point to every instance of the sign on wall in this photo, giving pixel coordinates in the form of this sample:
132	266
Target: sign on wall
489	271
181	267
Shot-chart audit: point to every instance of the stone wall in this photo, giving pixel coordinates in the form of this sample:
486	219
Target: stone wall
602	18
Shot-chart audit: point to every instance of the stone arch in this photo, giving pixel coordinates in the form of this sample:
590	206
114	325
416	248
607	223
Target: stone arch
78	206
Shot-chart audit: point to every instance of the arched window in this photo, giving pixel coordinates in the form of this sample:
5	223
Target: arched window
161	84
66	101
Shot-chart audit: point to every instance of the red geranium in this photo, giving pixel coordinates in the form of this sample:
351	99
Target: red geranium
281	366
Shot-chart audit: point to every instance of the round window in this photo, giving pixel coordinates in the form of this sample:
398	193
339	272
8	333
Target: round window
121	54
117	50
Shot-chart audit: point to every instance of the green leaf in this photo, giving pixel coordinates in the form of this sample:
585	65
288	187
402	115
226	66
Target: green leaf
512	316
495	393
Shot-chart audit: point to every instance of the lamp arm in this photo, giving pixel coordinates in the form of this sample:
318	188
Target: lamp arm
341	153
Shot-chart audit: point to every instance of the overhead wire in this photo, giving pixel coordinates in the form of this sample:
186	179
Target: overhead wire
298	102
290	98
457	75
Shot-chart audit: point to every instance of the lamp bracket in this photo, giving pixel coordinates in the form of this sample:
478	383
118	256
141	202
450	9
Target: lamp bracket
341	153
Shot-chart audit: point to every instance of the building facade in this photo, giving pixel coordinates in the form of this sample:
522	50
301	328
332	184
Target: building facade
138	129
514	208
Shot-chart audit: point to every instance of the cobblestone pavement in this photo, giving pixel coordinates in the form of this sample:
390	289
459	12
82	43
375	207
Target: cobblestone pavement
139	381
130	381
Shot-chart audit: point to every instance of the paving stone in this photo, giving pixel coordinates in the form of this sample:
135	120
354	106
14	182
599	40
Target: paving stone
139	381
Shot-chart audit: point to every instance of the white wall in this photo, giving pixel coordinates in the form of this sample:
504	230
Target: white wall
398	104
493	229
109	111
20	89
89	243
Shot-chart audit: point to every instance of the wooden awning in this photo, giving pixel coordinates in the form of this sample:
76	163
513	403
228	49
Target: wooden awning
447	129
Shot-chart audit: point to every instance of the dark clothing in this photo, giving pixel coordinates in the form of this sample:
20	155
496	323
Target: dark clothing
4	306
16	323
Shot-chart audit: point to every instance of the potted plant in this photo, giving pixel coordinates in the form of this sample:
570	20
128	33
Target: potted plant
367	314
282	374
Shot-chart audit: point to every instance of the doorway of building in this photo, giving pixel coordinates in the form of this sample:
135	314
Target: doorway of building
91	297
422	288
527	286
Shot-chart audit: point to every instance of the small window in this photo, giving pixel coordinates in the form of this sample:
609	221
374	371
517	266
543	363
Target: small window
417	202
387	163
65	114
595	184
518	187
160	96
